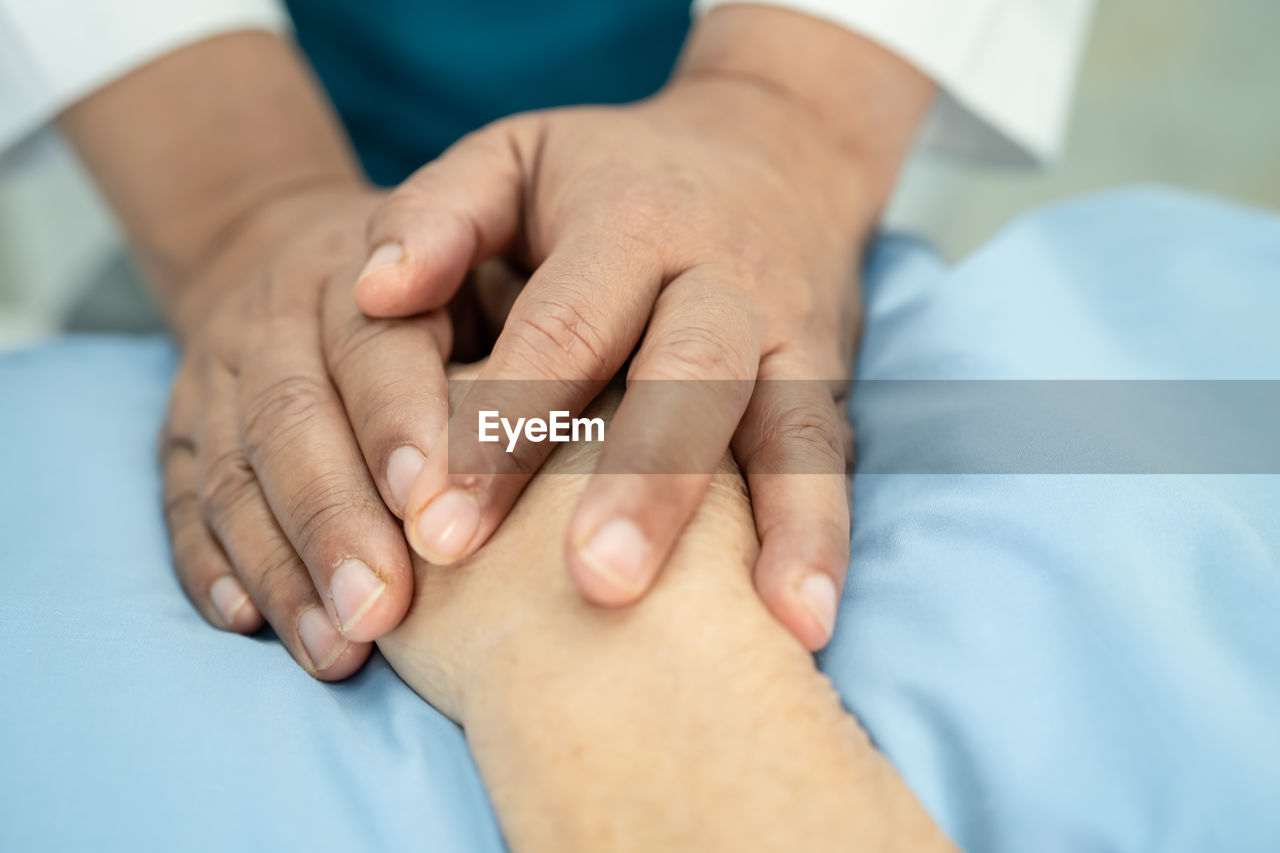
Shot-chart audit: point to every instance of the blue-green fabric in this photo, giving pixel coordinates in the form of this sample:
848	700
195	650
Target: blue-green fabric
409	77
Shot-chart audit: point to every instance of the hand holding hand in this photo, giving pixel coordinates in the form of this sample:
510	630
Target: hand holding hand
719	227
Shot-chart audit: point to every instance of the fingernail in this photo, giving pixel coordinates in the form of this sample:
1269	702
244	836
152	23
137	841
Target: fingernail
447	525
617	552
228	597
402	469
386	255
354	588
321	640
818	592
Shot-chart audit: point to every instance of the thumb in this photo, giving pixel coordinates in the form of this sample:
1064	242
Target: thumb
456	211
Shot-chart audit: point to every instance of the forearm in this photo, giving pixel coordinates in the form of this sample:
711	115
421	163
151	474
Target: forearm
695	723
195	147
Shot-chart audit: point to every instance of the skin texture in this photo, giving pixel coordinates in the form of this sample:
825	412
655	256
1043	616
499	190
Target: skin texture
733	740
298	428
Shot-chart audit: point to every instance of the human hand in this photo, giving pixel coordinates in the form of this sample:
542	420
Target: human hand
295	423
510	614
545	683
719	226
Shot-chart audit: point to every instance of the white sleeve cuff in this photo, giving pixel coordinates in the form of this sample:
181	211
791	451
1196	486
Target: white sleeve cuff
54	52
1006	68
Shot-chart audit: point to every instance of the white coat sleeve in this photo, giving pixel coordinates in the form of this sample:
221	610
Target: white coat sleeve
1005	68
55	52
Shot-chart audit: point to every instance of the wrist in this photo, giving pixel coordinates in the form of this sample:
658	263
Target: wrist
701	614
240	249
192	146
865	100
600	703
704	710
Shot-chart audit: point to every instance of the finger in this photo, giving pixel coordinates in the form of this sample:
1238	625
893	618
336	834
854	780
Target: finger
277	582
569	331
686	391
793	445
451	214
390	375
299	443
202	568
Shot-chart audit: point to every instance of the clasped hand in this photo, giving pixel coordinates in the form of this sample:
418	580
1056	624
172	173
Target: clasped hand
709	236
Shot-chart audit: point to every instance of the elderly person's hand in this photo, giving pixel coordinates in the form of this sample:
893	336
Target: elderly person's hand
623	730
718	226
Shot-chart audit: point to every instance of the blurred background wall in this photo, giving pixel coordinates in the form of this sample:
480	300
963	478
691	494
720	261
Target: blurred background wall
1183	92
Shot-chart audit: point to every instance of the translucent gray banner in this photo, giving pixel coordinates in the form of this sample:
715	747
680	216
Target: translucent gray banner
898	426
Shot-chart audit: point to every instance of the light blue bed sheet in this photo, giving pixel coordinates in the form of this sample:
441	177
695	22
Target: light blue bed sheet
1054	663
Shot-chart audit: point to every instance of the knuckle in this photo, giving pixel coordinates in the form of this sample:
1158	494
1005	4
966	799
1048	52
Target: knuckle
317	508
226	361
280	409
799	437
813	429
175	443
696	350
349	342
399	204
188	539
277	582
181	508
405	204
227	483
494	141
389	412
559	339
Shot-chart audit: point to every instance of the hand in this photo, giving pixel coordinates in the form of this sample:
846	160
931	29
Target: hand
566	705
719	226
287	398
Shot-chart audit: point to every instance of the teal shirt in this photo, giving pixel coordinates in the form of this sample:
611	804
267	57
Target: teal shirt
409	78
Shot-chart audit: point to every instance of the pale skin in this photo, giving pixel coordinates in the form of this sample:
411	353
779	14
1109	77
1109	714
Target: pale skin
691	721
727	213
